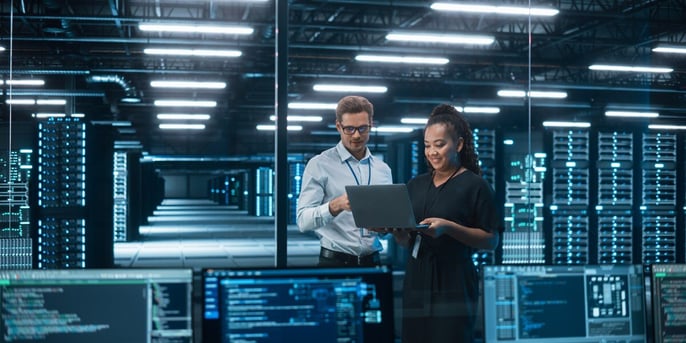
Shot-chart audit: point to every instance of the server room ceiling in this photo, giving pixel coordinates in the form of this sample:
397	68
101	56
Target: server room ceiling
91	53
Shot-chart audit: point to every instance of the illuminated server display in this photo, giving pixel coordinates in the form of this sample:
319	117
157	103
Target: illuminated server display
264	191
296	173
658	198
570	202
120	196
523	238
61	192
15	241
416	157
484	143
615	197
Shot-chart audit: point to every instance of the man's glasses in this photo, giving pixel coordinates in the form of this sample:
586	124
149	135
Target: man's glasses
350	130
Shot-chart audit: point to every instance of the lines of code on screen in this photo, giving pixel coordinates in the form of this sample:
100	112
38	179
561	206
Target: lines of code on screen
669	284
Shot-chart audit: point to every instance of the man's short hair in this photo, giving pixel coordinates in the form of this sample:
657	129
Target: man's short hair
354	104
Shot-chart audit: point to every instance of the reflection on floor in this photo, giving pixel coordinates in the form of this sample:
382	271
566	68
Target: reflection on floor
202	234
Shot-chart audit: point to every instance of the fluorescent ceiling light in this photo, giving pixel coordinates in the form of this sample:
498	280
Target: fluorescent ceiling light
188	84
392	129
131	99
440	38
28	82
631	114
51	102
312	106
506	10
57	115
402	59
182	126
478	109
236	30
185	103
508	93
117	123
566	124
36	102
49	115
671	49
666	127
193	52
20	102
183	116
549	95
273	128
300	118
2	48
415	121
349	88
635	69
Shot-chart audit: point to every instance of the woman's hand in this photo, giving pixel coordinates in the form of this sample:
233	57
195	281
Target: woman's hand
437	226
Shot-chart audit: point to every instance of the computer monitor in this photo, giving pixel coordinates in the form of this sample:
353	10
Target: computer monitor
564	304
668	283
96	305
298	305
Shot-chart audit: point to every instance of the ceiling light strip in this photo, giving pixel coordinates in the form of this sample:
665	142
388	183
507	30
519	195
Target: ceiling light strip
299	118
185	103
666	127
440	38
188	84
402	59
635	69
631	114
166	126
503	10
509	93
268	127
566	124
671	49
183	116
192	52
349	88
190	28
312	106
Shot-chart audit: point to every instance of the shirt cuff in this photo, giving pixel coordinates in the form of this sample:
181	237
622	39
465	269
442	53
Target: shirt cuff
326	214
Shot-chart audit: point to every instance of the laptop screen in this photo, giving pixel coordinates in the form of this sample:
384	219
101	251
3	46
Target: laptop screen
564	304
97	305
298	305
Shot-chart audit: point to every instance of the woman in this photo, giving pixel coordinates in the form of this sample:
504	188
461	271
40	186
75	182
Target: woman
441	282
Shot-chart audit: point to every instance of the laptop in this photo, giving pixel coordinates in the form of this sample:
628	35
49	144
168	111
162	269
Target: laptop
382	206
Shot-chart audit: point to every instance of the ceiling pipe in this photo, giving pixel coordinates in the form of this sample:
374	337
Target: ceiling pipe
129	90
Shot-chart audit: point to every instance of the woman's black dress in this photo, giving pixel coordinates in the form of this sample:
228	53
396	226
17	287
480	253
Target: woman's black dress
440	293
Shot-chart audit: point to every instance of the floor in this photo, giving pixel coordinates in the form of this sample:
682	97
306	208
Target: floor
201	234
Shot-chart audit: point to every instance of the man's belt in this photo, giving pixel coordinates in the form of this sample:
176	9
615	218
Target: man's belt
349	259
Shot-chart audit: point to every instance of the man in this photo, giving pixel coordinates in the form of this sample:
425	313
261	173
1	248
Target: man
323	205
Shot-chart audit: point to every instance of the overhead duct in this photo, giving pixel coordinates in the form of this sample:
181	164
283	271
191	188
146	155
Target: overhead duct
58	25
130	92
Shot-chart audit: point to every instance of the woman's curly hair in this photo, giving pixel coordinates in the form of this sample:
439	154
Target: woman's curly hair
457	128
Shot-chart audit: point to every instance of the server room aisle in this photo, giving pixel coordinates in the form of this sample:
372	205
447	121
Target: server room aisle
200	233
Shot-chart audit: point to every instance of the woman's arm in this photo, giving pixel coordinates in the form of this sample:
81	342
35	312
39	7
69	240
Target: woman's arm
474	237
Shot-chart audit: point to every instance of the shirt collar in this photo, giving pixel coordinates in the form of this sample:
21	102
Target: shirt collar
345	154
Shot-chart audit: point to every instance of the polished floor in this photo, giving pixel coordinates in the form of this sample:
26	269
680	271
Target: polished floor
201	234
